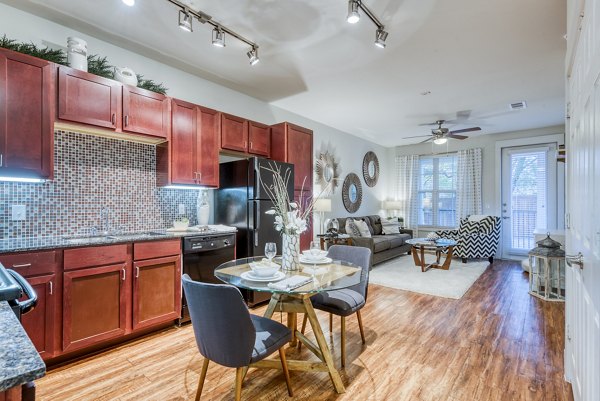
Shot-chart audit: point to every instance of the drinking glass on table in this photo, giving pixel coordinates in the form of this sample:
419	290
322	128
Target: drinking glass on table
315	249
270	250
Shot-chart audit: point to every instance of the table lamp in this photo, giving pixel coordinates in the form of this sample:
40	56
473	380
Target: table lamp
321	206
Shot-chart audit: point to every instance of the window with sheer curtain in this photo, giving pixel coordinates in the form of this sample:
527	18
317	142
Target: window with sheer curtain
437	190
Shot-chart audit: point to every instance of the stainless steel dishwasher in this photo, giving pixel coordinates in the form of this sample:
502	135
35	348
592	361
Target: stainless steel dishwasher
201	255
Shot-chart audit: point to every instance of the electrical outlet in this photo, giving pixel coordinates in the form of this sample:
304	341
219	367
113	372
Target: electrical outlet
19	212
181	207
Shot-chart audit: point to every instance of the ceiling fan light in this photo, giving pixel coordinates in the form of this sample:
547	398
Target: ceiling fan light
253	56
353	14
380	37
218	37
185	20
440	141
129	3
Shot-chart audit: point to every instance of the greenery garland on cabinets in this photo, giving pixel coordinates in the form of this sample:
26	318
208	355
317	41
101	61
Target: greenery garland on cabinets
97	65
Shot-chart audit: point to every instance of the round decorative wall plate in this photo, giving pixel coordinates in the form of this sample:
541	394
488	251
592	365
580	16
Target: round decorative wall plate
370	169
352	193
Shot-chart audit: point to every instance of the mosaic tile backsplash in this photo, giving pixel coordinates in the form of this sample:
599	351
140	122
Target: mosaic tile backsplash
91	173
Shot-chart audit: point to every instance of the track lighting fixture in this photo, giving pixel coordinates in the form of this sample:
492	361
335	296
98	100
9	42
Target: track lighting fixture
129	3
354	16
253	56
380	37
218	35
185	20
218	38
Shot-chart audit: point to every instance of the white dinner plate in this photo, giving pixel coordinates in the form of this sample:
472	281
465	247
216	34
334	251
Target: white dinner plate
251	277
310	261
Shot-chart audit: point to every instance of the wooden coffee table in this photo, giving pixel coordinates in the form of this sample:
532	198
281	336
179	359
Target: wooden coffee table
419	245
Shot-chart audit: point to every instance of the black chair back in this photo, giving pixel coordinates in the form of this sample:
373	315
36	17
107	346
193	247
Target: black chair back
222	326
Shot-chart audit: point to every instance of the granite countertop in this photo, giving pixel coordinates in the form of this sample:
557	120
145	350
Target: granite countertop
52	242
19	360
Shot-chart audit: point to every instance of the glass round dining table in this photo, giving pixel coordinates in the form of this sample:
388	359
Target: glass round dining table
310	279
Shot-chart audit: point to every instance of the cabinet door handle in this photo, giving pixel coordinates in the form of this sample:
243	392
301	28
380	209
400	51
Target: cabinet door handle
22	265
199	176
137	271
1	161
113	118
124	275
251	147
126	120
51	288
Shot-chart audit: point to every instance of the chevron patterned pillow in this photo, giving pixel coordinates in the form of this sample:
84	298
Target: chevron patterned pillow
486	225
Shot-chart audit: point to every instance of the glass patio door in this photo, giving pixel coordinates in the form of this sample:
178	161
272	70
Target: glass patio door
528	196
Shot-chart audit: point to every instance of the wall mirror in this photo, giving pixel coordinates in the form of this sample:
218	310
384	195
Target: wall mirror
327	171
352	193
370	169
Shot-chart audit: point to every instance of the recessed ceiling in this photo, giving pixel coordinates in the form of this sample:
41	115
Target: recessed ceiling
442	57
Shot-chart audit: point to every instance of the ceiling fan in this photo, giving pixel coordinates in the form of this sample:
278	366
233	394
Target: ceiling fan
441	134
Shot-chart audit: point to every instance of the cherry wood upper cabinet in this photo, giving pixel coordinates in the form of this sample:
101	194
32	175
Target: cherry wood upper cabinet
183	142
194	146
234	133
259	139
26	115
145	112
209	131
87	98
294	144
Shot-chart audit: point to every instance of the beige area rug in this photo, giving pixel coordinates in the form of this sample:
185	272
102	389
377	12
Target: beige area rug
401	273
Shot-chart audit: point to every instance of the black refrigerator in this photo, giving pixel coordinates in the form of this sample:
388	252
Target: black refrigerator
241	201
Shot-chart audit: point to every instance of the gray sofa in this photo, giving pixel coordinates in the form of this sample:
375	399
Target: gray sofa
383	247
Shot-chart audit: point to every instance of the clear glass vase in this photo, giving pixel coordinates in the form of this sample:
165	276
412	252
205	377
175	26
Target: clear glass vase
291	252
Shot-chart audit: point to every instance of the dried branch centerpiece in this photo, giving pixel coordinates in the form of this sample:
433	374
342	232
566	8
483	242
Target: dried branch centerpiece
291	217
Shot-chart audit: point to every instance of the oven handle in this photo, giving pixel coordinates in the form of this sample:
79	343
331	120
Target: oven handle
29	303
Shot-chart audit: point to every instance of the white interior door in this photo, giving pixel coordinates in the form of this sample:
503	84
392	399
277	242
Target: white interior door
582	345
529	196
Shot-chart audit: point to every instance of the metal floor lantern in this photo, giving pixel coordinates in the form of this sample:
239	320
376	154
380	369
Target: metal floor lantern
547	274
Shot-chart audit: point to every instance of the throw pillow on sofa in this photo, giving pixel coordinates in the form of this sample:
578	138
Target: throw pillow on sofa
390	226
352	228
363	228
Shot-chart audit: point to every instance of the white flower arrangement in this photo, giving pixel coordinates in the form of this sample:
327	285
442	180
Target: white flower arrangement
290	217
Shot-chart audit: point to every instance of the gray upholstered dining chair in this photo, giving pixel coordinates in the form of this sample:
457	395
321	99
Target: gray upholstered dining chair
226	333
346	301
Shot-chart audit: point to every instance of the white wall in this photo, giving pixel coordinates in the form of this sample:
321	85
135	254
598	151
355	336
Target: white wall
491	175
348	149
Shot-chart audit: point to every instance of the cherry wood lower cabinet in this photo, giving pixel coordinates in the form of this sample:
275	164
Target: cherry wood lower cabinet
95	305
156	291
42	324
39	323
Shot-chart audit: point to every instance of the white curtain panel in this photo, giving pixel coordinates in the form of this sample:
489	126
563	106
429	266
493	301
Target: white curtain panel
468	187
407	182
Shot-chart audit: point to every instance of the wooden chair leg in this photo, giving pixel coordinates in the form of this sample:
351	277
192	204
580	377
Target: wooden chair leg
360	326
286	372
202	377
330	323
343	346
239	377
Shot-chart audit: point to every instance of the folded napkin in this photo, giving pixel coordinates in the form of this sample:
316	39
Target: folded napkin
290	283
264	263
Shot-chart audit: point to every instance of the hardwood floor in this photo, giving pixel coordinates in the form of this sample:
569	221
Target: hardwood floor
496	343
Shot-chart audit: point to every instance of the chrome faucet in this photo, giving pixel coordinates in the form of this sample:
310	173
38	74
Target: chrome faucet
104	221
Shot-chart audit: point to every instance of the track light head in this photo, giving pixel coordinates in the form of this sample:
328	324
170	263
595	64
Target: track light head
218	37
129	3
253	56
380	37
440	141
353	14
185	20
